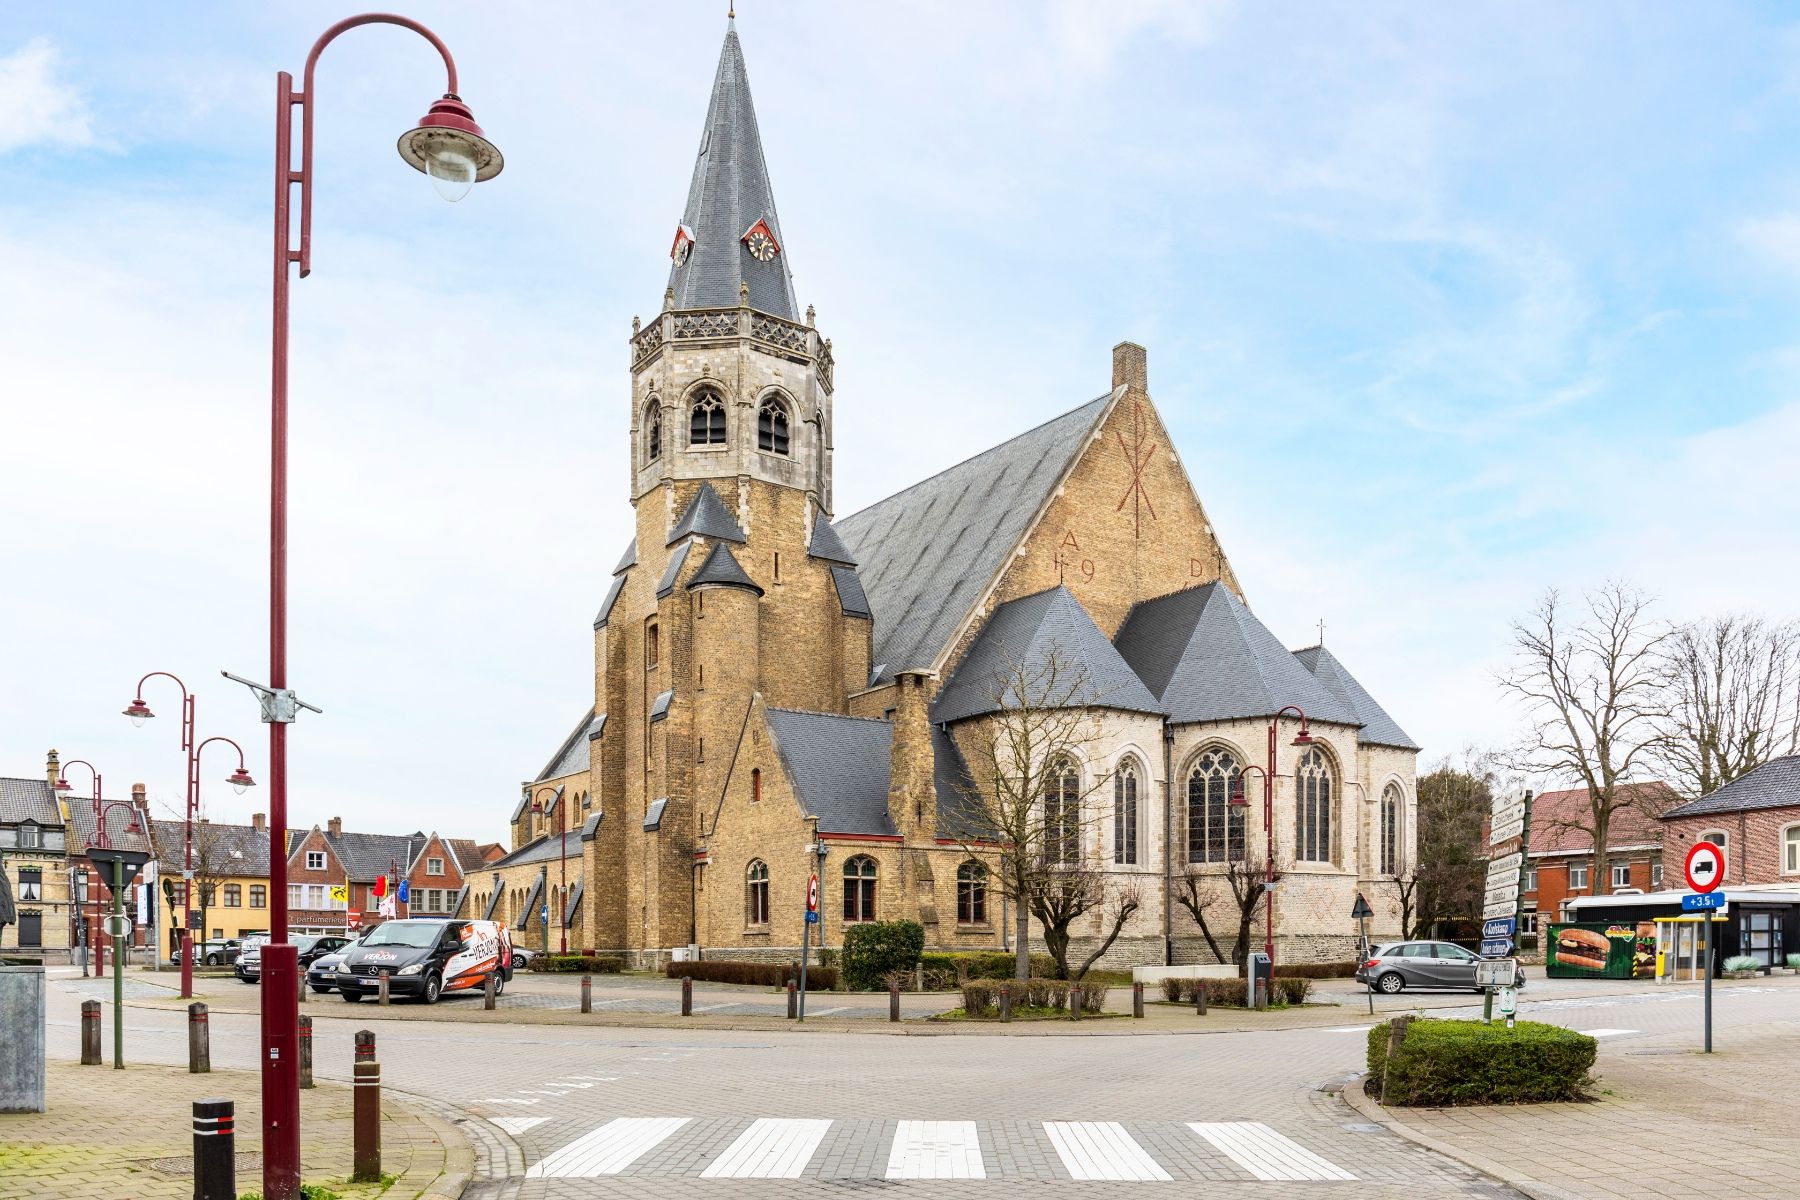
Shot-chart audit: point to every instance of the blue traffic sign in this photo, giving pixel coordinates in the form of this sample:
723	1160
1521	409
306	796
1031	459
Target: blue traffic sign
812	917
1702	901
1496	947
1500	927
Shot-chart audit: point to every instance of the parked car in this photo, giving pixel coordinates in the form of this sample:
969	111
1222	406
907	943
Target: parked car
312	948
426	957
1395	966
322	972
521	957
214	952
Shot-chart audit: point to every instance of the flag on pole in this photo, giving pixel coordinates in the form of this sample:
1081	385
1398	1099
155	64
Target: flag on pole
380	886
405	892
340	893
387	906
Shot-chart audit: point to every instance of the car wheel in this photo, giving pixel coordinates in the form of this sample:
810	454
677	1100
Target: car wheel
352	997
1391	983
433	986
518	962
499	982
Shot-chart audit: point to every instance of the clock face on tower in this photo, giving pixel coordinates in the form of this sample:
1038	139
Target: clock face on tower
761	246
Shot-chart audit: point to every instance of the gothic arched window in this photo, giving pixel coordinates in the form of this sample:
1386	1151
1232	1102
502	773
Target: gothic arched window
1062	813
1390	830
971	894
859	889
1312	807
706	420
653	432
756	893
772	426
1125	814
1215	827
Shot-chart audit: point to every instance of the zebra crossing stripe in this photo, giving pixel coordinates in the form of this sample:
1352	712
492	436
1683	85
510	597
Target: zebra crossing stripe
608	1149
1265	1153
1101	1150
935	1150
516	1125
772	1148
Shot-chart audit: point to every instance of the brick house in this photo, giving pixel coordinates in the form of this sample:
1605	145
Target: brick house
35	862
1561	864
320	860
1756	818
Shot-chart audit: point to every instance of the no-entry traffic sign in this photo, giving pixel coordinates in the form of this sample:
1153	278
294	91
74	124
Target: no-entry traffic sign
1705	866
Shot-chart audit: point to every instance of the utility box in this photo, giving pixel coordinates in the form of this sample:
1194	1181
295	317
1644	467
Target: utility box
1260	967
22	1047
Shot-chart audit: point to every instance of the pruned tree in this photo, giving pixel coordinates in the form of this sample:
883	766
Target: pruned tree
1237	888
1029	798
1447	880
1591	684
1730	699
1062	896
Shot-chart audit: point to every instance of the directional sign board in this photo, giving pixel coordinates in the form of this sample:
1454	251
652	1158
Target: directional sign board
1505	833
1705	866
1496	947
1500	908
1499	972
1505	865
1713	902
1499	927
1502	893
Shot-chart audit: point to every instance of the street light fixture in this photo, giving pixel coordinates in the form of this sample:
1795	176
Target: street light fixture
450	148
1237	798
102	852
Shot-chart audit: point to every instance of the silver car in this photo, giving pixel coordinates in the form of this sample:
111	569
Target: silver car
1395	966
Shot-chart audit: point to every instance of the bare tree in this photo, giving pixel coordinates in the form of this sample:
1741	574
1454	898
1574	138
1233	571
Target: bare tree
1030	800
1731	699
1070	891
1592	690
1237	889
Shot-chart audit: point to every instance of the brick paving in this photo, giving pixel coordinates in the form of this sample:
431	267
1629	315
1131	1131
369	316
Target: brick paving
127	1135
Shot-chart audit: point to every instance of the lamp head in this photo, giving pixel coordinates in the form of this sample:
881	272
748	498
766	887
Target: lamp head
1304	737
449	148
1235	795
61	785
240	780
139	712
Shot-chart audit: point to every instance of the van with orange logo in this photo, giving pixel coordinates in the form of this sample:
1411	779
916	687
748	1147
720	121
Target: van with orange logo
426	958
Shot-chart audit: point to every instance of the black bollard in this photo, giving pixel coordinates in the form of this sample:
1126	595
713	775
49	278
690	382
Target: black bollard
1137	1000
793	1000
199	1041
487	993
1199	997
90	1033
215	1153
365	1123
306	1052
894	1000
687	997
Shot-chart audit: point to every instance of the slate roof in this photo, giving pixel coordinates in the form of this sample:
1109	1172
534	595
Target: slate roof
365	855
840	767
606	605
1775	784
29	800
572	755
729	193
707	516
468	853
628	559
226	849
659	707
118	818
543	849
1048	642
1558	819
529	909
926	554
1378	729
851	597
826	544
1206	658
673	571
722	568
959	809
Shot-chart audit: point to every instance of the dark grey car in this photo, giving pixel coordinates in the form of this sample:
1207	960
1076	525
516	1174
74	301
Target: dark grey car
1395	966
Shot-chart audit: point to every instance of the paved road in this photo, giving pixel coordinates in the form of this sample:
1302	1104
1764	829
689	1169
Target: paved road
570	1111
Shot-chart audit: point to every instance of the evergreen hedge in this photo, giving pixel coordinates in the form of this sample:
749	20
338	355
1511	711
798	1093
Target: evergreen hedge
575	964
1468	1062
818	979
874	950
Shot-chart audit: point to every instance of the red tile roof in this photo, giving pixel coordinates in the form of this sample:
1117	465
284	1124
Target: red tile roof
1559	820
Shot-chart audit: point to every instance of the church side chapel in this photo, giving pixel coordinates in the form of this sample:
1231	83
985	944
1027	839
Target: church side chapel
771	676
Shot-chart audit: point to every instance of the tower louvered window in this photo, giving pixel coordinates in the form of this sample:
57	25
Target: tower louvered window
1312	808
1215	828
706	421
772	426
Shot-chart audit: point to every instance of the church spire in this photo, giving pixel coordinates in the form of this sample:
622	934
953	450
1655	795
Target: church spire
730	238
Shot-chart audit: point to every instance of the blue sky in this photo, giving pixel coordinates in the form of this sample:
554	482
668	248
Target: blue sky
1443	307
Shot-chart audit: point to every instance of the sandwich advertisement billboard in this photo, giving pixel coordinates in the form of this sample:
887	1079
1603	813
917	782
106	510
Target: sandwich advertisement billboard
1601	951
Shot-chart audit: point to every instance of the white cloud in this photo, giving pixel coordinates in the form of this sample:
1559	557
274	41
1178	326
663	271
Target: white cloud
36	107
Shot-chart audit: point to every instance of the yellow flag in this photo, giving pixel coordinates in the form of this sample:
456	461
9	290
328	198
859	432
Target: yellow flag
340	892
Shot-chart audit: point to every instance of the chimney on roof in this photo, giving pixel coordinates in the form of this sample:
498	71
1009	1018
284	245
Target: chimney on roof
137	795
259	822
52	768
1131	368
336	826
912	794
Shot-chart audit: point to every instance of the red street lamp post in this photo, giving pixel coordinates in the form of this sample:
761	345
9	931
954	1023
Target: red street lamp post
538	808
139	712
449	148
103	842
62	784
1237	797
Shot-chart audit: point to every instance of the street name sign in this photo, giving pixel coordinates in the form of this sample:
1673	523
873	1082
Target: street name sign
1505	833
1705	866
1501	893
1704	902
1500	908
1496	947
1499	927
1505	865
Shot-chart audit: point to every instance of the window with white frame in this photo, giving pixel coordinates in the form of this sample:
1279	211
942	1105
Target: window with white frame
1790	850
30	836
315	860
1655	875
434	866
1621	875
294	893
1531	879
1577	877
1717	837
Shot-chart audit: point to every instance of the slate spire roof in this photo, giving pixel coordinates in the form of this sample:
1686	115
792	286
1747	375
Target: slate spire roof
1203	654
1044	643
722	567
826	544
707	516
1378	729
729	194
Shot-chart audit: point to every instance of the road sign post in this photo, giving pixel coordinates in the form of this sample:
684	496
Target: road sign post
1705	871
812	918
1361	912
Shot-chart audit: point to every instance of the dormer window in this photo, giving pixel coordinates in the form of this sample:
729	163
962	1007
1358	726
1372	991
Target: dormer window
653	433
772	426
706	421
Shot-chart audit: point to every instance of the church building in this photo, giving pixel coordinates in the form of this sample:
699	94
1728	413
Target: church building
781	689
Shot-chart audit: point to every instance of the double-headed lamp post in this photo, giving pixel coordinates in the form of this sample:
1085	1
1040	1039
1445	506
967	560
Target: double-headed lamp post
139	712
449	148
538	809
103	841
1238	799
